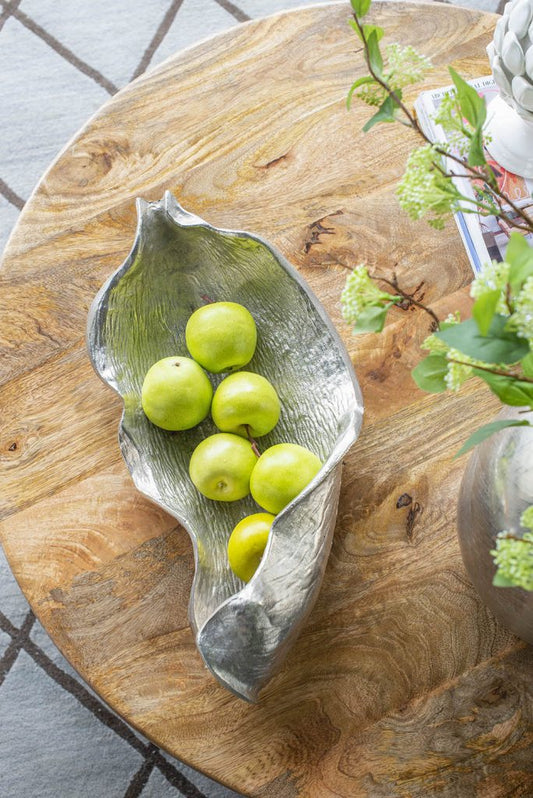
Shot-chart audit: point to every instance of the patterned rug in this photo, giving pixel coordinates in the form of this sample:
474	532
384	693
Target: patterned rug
60	60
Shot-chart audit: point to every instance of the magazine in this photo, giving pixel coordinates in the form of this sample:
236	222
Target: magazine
485	237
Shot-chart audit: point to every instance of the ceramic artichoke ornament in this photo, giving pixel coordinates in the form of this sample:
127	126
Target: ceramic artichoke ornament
242	631
509	125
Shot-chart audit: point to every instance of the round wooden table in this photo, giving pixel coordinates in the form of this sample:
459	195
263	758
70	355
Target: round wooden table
402	683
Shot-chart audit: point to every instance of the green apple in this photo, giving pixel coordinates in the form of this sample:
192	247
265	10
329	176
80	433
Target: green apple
221	465
281	473
246	404
176	393
247	543
221	336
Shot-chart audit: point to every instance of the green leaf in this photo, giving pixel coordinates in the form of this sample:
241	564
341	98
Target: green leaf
509	390
374	53
384	114
499	580
497	346
519	255
484	308
371	319
472	106
367	30
429	374
476	154
527	364
361	7
517	247
359	82
486	431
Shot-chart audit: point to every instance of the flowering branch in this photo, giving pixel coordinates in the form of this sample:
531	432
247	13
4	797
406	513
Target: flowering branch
496	344
463	114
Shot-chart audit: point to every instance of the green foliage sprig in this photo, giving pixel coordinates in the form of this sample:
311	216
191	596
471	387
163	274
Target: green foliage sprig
496	344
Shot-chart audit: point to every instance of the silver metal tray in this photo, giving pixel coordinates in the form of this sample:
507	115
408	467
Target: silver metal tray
139	316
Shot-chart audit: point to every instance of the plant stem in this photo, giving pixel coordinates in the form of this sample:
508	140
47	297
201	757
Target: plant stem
491	370
385	86
508	299
515	537
403	294
409	297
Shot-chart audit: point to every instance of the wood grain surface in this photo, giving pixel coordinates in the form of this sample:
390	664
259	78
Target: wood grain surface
402	683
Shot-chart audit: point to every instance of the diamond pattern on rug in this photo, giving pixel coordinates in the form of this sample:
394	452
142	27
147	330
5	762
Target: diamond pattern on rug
5	641
53	103
195	20
101	32
12	603
79	746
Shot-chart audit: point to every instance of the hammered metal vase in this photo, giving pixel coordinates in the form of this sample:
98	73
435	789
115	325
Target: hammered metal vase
178	262
497	487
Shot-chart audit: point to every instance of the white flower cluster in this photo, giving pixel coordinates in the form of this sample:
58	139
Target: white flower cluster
492	277
513	555
514	559
423	190
523	312
458	372
526	518
405	65
359	293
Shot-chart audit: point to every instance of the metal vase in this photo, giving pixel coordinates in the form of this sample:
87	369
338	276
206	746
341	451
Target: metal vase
178	262
497	487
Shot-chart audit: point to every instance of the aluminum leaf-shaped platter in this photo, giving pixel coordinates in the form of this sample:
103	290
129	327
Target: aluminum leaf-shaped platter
139	316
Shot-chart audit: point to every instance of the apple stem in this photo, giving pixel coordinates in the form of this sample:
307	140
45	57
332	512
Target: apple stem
255	447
